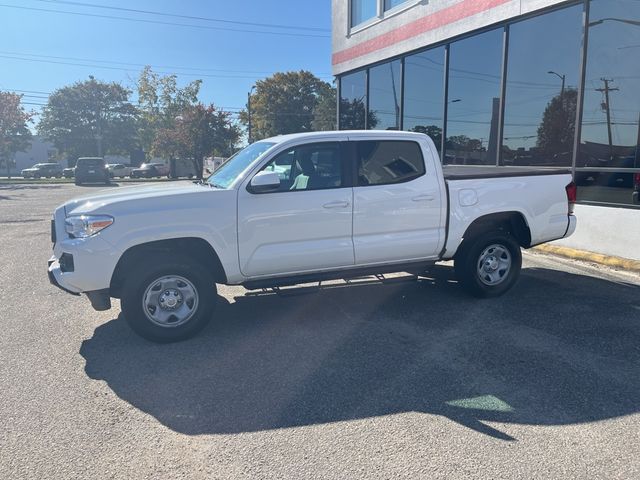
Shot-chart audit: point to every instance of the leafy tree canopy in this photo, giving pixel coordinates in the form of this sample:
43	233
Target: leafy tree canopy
160	102
15	135
90	118
198	132
557	129
285	103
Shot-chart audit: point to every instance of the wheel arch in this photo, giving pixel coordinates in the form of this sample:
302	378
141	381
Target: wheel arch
196	248
513	222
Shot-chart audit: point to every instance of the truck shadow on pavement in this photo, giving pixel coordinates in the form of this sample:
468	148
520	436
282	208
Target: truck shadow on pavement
559	349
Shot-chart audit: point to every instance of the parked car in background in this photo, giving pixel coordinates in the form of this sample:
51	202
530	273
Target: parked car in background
69	172
118	170
91	170
43	170
636	189
150	170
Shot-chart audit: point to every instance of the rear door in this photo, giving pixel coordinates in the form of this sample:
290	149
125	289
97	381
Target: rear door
307	224
398	212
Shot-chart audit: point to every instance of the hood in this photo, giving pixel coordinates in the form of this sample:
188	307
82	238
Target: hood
104	200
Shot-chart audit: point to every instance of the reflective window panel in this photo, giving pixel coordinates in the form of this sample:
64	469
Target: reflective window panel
389	4
543	71
384	96
353	101
620	189
474	99
424	94
610	127
363	10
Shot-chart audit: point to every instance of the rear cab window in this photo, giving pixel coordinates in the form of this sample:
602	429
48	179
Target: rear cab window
90	162
385	162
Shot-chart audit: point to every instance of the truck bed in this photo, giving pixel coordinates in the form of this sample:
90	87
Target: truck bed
468	172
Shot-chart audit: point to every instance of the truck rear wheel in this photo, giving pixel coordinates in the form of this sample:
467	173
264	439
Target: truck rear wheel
489	265
170	301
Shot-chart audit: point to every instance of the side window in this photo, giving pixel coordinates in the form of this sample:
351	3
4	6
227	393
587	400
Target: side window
308	167
387	162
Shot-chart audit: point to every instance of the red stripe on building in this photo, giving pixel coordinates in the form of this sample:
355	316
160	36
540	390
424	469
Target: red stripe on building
459	11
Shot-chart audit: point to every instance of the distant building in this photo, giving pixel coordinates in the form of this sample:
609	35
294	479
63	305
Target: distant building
40	151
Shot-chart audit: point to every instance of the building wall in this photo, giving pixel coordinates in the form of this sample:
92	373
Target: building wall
415	25
607	231
40	151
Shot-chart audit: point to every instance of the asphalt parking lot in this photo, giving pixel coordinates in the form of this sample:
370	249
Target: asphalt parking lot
381	379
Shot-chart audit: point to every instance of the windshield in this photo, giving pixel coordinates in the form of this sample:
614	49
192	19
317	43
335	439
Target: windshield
229	171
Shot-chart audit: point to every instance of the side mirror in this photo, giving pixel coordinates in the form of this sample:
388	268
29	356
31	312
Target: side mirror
265	181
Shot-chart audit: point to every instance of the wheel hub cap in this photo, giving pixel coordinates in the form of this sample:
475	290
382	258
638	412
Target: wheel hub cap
170	301
494	264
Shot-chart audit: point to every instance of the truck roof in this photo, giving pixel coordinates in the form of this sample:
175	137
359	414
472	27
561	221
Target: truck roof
360	134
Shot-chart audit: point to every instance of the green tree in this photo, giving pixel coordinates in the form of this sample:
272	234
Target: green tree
558	126
90	118
160	102
284	103
352	115
15	135
198	132
324	113
433	131
462	142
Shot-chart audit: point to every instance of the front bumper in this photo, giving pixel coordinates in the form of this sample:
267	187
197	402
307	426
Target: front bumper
55	275
100	299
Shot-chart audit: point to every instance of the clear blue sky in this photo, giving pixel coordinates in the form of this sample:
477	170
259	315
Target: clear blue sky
228	62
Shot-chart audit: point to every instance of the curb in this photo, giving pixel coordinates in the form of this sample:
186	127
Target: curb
599	258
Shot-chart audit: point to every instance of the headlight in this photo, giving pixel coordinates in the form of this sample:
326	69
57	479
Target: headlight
82	226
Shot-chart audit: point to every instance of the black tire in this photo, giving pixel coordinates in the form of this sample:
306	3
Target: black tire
140	279
495	282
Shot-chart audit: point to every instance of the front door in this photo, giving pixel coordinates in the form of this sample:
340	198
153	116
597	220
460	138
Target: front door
304	226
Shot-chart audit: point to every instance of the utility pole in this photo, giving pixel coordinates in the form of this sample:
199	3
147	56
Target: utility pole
607	108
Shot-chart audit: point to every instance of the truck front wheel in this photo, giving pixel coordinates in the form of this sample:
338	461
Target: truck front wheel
170	301
489	265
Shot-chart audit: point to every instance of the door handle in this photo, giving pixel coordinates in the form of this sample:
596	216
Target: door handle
336	205
423	198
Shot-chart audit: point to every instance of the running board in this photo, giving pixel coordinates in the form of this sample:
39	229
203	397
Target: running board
414	268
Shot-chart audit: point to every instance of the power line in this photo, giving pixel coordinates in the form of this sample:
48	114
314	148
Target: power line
158	22
142	65
109	67
188	17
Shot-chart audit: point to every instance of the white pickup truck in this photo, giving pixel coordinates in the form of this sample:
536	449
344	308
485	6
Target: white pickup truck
301	208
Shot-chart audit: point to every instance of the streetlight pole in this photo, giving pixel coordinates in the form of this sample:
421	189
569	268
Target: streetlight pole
563	78
249	139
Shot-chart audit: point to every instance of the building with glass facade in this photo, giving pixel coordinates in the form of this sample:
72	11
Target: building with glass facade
542	83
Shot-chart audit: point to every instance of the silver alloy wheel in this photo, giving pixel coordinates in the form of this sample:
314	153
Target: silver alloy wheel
494	264
170	301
